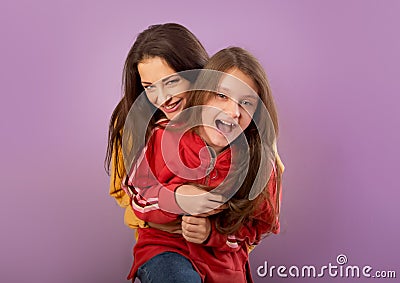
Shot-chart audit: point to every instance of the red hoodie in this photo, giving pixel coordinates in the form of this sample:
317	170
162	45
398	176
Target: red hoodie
222	258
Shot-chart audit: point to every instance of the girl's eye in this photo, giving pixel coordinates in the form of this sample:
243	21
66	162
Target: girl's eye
246	103
221	95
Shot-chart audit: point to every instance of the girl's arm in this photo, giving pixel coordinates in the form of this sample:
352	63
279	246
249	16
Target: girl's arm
120	196
151	185
123	199
251	232
146	204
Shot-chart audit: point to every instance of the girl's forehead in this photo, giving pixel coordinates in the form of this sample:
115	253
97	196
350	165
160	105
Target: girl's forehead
237	85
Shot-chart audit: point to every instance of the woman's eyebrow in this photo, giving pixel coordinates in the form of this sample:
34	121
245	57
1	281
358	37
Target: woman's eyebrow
163	80
167	78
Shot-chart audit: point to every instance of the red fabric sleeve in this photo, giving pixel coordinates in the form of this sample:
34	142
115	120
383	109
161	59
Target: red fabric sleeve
152	185
251	232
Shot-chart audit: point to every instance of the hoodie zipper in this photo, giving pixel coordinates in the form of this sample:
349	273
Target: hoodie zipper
211	165
213	160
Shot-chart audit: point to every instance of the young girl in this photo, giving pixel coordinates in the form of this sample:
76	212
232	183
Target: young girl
225	237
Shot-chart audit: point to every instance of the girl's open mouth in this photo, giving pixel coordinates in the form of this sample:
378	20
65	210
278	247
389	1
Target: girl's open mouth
224	126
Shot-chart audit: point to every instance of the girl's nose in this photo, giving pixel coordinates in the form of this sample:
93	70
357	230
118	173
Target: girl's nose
233	109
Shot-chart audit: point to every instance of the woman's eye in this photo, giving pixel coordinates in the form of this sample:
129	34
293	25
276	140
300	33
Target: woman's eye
172	82
149	87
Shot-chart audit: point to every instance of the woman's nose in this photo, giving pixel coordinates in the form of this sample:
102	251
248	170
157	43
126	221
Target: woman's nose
161	95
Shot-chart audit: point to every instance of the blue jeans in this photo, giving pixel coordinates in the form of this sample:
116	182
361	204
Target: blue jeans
168	267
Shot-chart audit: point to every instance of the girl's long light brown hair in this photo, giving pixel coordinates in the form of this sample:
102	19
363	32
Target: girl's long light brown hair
240	208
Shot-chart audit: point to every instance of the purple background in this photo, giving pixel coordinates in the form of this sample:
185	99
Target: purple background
333	67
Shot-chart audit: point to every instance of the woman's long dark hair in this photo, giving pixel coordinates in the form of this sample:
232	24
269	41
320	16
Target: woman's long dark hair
178	47
241	207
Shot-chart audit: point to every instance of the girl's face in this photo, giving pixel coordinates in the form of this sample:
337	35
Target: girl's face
164	88
229	111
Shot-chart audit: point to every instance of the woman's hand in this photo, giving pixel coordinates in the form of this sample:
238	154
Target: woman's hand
196	229
197	201
174	227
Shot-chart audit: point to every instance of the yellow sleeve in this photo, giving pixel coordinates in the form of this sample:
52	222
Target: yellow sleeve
280	163
115	182
120	196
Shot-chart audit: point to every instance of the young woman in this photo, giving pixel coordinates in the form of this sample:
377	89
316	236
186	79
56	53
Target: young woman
158	51
229	114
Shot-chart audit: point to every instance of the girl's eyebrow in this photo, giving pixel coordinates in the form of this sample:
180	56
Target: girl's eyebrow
224	90
249	96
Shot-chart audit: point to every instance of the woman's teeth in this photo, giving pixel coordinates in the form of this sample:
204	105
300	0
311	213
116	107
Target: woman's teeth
172	105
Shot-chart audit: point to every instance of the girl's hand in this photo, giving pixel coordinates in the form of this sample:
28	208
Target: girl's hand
174	227
196	229
197	201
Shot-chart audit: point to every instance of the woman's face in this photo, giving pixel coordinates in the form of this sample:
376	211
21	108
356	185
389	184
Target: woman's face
229	111
164	88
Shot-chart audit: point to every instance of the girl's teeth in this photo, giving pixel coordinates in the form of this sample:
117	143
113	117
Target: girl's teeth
224	126
226	123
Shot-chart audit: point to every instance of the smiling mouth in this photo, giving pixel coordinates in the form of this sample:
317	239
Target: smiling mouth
224	126
171	107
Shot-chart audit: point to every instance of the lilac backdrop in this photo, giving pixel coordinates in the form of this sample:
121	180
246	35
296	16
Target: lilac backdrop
333	67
